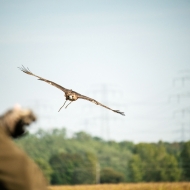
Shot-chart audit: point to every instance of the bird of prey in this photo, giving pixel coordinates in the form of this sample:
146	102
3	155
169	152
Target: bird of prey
69	94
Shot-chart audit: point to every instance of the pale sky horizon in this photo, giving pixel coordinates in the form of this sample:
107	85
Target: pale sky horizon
128	55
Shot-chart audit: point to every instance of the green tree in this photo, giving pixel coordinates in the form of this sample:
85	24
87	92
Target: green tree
73	168
135	169
109	175
185	161
63	168
45	167
85	173
127	145
157	164
82	136
155	157
169	170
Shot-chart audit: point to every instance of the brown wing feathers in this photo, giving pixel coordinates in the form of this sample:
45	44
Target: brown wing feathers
27	71
98	103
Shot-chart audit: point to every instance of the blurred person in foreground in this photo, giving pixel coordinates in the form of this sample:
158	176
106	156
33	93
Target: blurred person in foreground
17	170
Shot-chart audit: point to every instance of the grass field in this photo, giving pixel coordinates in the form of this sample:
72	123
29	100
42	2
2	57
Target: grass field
128	186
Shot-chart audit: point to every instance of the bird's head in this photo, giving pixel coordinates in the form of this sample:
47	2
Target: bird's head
72	96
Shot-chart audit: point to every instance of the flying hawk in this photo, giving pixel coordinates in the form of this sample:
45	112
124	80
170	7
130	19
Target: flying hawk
69	94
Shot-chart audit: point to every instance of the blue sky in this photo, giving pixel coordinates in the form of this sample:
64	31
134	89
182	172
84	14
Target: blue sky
125	54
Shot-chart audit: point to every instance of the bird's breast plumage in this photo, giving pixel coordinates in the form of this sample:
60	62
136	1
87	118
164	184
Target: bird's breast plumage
71	96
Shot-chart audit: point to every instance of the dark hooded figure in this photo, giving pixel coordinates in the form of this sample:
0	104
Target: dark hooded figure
17	170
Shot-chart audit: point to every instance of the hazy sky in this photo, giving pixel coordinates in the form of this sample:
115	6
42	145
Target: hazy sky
129	55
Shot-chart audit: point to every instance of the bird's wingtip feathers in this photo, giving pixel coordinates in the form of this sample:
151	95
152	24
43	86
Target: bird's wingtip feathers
117	111
25	70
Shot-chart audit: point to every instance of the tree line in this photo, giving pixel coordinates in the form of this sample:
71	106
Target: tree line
83	159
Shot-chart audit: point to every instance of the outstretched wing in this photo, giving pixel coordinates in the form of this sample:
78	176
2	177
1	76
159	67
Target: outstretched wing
98	103
27	71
